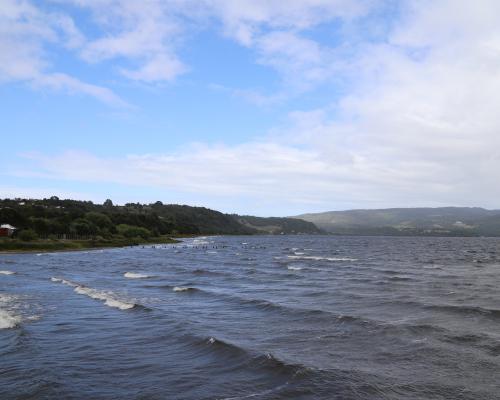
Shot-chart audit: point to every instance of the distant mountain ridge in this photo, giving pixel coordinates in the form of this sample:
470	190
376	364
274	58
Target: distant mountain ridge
441	221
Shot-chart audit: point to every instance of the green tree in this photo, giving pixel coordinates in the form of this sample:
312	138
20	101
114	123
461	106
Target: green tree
81	226
99	219
131	231
27	235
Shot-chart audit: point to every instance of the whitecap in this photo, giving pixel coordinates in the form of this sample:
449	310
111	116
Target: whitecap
182	289
108	298
64	281
8	320
7	273
134	275
316	258
292	268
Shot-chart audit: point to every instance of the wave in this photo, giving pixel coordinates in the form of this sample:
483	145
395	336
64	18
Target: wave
317	258
400	278
267	362
477	310
134	275
8	320
109	298
7	272
184	289
292	268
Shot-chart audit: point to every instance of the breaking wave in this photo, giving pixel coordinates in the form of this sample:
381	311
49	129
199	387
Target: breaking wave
109	298
134	275
317	258
184	289
8	320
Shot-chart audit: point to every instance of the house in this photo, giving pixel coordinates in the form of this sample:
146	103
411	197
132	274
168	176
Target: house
6	230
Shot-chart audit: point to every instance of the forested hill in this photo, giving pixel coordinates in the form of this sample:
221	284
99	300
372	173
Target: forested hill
442	221
275	225
54	216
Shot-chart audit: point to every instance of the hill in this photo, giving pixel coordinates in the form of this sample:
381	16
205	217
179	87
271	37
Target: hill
443	221
55	217
275	225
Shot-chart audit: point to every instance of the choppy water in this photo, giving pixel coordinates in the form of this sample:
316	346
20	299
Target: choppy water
292	317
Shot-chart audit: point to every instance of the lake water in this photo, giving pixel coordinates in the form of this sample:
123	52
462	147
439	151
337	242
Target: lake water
263	317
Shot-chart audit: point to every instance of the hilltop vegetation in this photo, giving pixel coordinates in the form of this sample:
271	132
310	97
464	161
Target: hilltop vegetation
274	225
58	218
444	221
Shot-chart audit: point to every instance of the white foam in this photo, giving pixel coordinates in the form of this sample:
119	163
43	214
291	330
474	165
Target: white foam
7	273
200	241
8	320
59	280
182	289
298	253
107	297
134	275
292	268
322	258
103	296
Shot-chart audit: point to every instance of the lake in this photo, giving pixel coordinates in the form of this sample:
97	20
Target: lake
255	317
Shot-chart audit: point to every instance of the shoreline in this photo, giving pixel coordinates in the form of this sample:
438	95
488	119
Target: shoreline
70	246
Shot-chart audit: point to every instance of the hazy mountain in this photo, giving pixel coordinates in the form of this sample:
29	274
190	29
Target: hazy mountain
453	221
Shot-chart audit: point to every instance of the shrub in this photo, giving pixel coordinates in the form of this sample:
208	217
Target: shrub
131	231
28	235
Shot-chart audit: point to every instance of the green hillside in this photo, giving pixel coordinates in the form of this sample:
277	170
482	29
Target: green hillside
55	218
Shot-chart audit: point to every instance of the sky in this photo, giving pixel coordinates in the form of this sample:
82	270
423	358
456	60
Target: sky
262	107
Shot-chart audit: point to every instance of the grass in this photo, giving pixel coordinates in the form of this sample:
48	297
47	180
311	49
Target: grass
16	245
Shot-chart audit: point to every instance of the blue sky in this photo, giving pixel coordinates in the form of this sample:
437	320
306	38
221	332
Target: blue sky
256	107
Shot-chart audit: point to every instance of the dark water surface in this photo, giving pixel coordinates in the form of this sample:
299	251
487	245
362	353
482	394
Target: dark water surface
289	317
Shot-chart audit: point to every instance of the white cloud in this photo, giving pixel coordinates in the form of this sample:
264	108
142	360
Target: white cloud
276	31
421	127
146	33
245	19
142	39
24	32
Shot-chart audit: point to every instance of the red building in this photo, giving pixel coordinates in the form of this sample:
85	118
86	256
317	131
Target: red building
6	230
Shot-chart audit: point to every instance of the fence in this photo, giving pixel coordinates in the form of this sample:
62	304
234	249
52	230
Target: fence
67	236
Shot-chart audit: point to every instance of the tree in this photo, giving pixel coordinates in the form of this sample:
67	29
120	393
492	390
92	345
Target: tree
131	231
81	226
108	203
99	219
27	235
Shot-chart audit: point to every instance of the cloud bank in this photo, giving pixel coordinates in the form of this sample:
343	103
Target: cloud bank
417	126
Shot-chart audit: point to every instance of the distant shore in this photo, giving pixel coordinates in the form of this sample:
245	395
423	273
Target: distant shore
13	246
